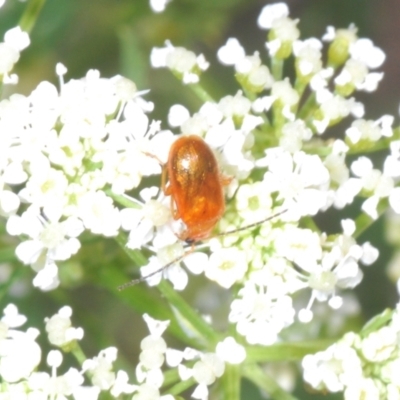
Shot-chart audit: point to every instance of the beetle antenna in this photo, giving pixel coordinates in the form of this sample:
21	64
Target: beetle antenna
134	282
243	228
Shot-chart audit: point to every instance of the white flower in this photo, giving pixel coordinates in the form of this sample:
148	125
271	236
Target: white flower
362	389
259	316
50	240
156	327
150	222
16	38
271	13
253	74
230	351
301	246
100	368
226	266
99	214
370	130
332	369
60	330
19	355
253	202
121	384
374	182
159	5
231	52
308	56
335	107
380	345
365	51
293	135
177	115
208	369
183	62
301	180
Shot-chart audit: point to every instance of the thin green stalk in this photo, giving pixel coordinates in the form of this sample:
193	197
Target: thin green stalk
181	387
231	382
364	221
286	351
277	68
377	322
263	381
308	107
171	376
135	255
122	200
31	14
201	93
78	353
192	322
201	331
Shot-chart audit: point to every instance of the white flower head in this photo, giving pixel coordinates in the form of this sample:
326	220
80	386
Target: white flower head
60	330
183	62
230	351
226	266
259	316
231	53
159	6
271	13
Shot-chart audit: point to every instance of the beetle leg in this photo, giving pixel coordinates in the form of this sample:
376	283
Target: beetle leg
165	189
225	180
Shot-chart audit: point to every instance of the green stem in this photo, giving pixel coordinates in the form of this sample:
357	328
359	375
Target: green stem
78	353
122	200
263	381
231	381
277	68
31	14
377	322
286	351
135	255
193	323
171	376
364	221
201	93
181	387
308	107
200	330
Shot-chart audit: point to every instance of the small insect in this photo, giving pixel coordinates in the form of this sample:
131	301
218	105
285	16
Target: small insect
196	188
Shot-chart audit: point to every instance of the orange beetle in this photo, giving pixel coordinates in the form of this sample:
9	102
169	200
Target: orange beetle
195	187
196	190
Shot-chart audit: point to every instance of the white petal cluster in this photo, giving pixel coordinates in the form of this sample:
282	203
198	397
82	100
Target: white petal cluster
60	330
20	356
15	40
184	63
19	352
360	366
59	151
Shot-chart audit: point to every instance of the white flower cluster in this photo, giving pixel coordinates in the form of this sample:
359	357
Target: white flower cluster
362	366
203	368
69	157
15	40
20	356
59	151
